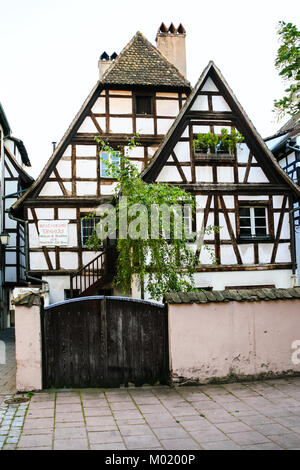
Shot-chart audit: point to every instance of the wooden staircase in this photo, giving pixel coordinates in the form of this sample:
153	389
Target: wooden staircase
95	274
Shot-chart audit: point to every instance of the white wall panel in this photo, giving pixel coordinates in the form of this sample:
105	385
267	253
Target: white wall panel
86	150
200	103
120	105
167	107
68	151
256	175
86	168
51	188
209	85
88	126
163	125
121	125
45	213
66	213
169	174
219	104
86	188
182	151
283	254
64	169
99	106
144	126
204	174
225	174
247	254
228	255
68	260
242	153
72	235
265	252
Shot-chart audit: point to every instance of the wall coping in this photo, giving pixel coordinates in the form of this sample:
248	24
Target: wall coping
238	295
28	299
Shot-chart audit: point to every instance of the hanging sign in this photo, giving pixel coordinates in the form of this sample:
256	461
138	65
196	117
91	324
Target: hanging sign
53	232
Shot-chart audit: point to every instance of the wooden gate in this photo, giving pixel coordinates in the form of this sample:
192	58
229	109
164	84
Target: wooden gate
104	342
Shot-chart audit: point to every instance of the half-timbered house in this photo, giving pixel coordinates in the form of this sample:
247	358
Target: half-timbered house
285	146
245	193
14	181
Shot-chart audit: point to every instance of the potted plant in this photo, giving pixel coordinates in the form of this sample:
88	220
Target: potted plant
228	141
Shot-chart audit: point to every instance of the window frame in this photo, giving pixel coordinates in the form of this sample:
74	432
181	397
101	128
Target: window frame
253	227
82	219
144	95
110	155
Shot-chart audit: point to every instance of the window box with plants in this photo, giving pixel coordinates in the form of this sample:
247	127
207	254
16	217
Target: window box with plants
212	146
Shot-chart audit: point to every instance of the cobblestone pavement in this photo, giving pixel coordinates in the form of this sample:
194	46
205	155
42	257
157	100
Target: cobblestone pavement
7	370
256	415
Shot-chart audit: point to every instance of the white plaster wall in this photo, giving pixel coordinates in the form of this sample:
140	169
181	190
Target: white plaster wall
145	125
44	213
225	174
247	253
167	108
99	106
204	174
68	260
218	129
57	284
208	341
88	126
265	252
88	256
102	122
64	169
72	235
51	188
227	254
86	188
33	236
283	254
108	189
37	260
86	150
163	125
219	280
120	105
219	104
66	213
68	151
169	173
121	125
242	153
200	103
209	85
201	129
277	202
86	168
256	175
182	151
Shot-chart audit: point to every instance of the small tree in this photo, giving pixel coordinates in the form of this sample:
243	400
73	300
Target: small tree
158	256
288	64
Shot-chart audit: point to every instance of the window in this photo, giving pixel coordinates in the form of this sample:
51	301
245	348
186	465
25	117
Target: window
143	104
253	222
67	293
88	225
105	159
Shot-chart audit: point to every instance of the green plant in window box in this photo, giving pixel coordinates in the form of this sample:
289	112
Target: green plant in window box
228	141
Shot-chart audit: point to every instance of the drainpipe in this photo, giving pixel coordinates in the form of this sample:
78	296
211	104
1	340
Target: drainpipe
31	278
293	244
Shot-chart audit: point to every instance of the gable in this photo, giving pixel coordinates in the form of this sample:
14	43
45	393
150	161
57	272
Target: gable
211	107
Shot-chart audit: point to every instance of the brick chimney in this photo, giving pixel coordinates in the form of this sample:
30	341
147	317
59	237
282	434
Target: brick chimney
171	43
104	62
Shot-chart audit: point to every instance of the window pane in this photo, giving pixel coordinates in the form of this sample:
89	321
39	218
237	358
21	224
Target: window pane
244	211
260	222
261	232
103	164
245	232
260	211
245	222
143	105
88	225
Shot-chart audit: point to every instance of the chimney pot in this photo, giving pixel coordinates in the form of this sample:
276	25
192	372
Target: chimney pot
171	43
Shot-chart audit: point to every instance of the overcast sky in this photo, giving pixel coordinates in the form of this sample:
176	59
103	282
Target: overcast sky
50	50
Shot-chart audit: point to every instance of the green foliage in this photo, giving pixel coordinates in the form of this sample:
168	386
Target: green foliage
161	264
288	64
212	143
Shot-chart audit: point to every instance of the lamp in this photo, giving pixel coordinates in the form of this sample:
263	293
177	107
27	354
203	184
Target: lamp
4	238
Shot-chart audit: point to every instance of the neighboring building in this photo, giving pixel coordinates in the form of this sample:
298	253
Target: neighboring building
245	193
285	146
14	181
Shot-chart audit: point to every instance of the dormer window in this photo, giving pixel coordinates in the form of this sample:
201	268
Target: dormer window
144	104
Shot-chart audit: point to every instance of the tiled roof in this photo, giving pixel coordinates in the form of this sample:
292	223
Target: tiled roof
238	295
140	63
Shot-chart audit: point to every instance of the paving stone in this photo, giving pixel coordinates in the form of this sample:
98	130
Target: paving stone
35	440
208	436
234	426
71	444
137	430
266	446
271	429
70	433
104	437
39	423
34	448
99	420
197	425
152	409
180	444
97	412
68	408
127	414
141	442
288	420
220	445
112	446
123	406
170	433
288	441
68	417
248	437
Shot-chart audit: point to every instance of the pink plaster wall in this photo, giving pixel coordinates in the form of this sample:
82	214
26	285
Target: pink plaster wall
215	340
28	348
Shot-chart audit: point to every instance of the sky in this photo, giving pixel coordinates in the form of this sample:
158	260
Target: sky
50	50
